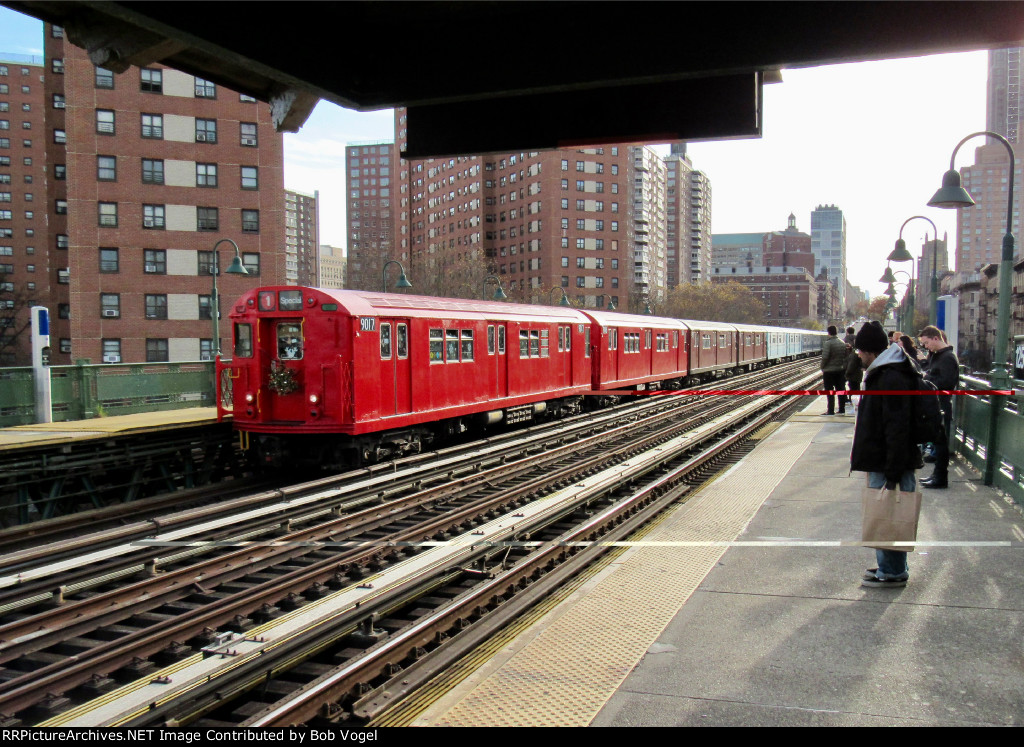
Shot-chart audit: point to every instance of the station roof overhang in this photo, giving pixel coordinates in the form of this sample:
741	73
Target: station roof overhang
499	76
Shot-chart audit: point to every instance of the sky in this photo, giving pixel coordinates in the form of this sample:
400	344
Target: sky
871	138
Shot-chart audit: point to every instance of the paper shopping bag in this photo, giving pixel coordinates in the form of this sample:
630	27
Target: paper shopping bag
889	517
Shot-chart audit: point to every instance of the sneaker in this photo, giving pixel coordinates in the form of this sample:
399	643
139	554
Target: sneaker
870	574
878	583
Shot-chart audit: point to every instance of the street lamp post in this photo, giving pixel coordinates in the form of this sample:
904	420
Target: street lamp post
900	254
403	281
565	298
953	196
235	268
499	293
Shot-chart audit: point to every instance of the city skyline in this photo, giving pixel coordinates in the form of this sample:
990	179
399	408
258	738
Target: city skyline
818	125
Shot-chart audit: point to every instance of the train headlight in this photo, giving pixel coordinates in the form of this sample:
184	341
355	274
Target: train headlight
314	399
249	398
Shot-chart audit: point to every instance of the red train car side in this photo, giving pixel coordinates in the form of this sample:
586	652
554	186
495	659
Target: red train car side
638	352
373	369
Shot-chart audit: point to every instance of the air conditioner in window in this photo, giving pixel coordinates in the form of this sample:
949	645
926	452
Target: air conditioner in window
112	359
150	268
205	357
200	137
109	312
148	222
58	104
248	141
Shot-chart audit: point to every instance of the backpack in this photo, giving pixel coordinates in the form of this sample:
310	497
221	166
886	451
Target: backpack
927	422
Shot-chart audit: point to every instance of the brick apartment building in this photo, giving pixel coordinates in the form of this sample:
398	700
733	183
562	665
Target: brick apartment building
301	238
122	185
24	276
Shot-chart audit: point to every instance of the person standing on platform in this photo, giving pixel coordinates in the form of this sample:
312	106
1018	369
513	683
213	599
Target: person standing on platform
833	367
848	338
854	370
883	443
943	370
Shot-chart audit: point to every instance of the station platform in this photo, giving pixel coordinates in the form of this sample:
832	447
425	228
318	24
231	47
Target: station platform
744	607
47	434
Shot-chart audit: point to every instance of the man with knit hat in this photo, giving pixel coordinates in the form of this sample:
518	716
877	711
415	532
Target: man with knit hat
883	444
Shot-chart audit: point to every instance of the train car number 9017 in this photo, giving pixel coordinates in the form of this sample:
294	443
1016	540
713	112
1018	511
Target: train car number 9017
367	324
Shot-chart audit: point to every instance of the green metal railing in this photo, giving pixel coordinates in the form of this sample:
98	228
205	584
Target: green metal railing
988	431
84	390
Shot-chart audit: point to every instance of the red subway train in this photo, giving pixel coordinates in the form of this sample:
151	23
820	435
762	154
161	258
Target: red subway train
337	377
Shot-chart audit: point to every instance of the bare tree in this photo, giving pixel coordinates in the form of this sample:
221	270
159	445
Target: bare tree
15	323
717	302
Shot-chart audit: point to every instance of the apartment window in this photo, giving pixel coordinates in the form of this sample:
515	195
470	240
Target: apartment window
565	203
60	137
579	165
104	78
109	260
205	89
581	243
57	66
58	101
581	262
62	241
204	263
105	121
64	276
153	126
111	350
63	311
250	221
6	215
204	307
60	171
250	178
61	206
110	305
251	262
26	125
152	81
153	216
581	204
247	99
581	224
247	132
156	350
154	261
206	219
57	32
565	281
65	345
580	282
206	130
152	171
156	306
106	168
206	175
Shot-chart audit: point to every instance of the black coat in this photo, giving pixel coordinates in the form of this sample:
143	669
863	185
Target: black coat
882	441
943	370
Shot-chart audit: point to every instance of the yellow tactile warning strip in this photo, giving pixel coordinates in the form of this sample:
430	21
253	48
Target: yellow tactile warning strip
562	670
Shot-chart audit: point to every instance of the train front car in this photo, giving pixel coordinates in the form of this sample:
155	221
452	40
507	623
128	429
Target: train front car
334	378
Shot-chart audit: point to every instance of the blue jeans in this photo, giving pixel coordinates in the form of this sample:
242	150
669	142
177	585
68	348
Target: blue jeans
892	564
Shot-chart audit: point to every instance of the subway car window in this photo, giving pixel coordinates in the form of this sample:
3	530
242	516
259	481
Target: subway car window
243	340
403	340
501	340
451	339
289	341
490	339
437	346
467	344
385	341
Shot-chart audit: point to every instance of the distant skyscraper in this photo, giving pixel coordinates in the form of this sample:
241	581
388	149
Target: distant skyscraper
370	167
688	211
828	242
1003	100
650	260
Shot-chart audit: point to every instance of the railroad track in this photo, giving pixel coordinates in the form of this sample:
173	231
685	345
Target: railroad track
351	576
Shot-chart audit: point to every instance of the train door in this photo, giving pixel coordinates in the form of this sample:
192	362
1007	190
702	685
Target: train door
395	368
565	354
285	344
497	359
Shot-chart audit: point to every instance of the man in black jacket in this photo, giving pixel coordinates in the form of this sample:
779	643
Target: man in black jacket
883	444
943	370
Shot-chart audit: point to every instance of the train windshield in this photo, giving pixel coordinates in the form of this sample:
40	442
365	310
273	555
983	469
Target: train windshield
289	341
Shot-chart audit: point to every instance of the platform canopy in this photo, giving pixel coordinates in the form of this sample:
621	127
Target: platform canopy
498	76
